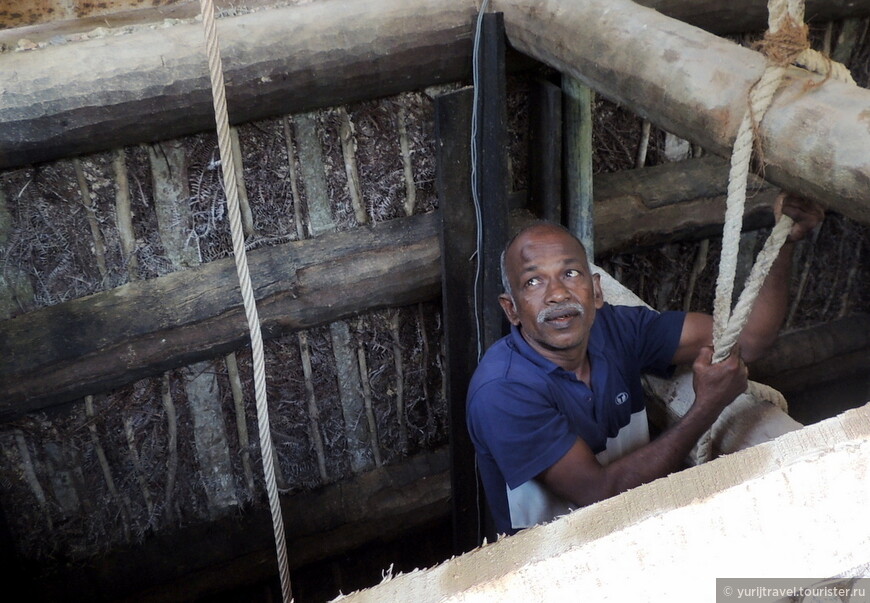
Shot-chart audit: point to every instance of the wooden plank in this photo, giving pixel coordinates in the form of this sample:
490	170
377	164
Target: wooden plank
62	352
458	234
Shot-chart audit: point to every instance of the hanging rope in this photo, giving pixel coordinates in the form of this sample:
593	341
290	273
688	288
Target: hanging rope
785	42
232	193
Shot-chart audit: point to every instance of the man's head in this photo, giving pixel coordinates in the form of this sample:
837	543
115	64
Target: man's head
549	289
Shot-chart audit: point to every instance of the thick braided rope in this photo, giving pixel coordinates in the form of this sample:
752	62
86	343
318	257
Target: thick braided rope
230	186
784	43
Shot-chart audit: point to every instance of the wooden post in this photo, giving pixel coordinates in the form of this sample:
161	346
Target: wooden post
577	110
458	236
492	173
545	150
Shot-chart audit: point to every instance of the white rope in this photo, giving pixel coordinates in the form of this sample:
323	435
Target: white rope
232	193
728	324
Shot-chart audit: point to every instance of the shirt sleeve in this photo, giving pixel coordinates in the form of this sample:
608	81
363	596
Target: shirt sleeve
519	429
659	340
646	335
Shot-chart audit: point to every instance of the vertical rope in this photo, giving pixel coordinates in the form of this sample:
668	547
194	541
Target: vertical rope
785	42
232	193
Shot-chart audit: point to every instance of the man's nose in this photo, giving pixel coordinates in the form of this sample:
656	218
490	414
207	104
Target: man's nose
557	292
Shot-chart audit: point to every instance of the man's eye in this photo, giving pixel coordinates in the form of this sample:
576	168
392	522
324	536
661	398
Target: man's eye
533	281
572	273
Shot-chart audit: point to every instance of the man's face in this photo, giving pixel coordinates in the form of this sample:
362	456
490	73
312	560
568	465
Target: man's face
554	294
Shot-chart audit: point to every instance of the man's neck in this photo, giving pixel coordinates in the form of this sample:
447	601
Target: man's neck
574	360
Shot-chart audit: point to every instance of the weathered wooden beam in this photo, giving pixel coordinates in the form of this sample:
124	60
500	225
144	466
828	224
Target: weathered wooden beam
737	16
673	201
453	113
715	16
696	85
202	560
62	352
153	84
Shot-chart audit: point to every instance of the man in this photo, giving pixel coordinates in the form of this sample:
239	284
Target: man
556	409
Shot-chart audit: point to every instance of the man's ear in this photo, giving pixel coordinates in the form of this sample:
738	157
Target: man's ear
510	308
596	287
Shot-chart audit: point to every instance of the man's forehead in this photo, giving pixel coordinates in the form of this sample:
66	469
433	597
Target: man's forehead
546	241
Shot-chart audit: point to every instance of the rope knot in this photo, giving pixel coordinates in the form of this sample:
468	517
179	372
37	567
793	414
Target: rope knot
783	46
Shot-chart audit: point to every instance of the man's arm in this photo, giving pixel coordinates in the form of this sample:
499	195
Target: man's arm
769	309
579	478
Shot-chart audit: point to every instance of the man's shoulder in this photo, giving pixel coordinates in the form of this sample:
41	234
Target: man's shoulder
504	366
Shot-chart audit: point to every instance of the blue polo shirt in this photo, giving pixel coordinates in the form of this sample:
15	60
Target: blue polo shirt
525	412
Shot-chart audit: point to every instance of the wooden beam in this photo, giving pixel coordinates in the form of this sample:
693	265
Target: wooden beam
577	158
669	202
696	85
738	16
152	84
63	352
714	16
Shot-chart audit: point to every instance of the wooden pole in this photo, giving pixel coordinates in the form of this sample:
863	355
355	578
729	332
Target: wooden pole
577	108
493	174
458	235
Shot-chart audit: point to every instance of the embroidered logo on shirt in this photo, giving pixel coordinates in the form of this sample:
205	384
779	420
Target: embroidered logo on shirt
622	398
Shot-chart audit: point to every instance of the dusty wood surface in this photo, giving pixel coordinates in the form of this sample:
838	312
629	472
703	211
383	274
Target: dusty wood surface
61	352
695	85
203	560
153	84
721	17
35	23
669	202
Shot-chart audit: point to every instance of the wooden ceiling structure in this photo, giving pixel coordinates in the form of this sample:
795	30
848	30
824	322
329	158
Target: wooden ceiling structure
81	77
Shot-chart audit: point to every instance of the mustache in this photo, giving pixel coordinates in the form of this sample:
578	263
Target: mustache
560	310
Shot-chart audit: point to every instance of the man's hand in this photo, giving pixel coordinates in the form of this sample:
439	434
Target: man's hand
717	385
806	214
